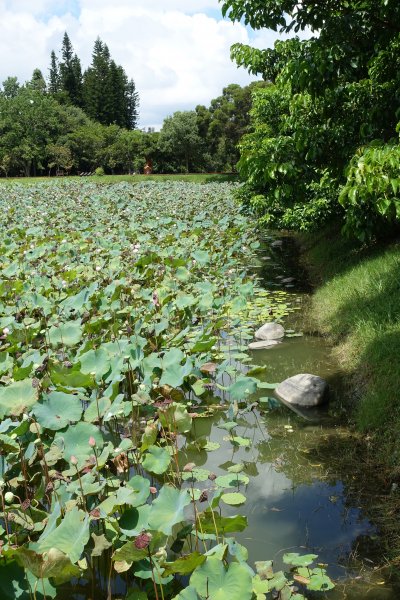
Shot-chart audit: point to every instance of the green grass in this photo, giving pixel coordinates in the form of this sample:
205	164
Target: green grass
357	304
190	178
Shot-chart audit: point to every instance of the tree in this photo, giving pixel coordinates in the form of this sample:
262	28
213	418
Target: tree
11	87
67	78
179	138
109	97
54	86
38	82
341	91
224	123
29	121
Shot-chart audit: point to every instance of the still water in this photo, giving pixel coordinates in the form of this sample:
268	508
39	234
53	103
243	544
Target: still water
301	496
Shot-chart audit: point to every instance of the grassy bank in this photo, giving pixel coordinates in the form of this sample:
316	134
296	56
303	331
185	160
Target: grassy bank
357	303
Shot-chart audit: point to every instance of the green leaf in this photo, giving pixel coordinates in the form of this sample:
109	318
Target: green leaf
134	520
75	441
168	509
17	397
57	410
244	386
13	584
71	536
66	334
141	486
320	583
224	524
185	564
212	580
95	362
231	480
297	560
233	498
173	373
176	418
156	460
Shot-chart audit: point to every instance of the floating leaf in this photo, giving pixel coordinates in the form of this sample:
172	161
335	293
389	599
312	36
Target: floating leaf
233	498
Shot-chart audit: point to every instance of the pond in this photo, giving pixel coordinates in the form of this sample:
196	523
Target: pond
126	375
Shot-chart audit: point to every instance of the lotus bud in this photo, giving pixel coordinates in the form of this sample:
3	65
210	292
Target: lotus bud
143	541
153	490
74	460
6	331
9	497
188	468
92	442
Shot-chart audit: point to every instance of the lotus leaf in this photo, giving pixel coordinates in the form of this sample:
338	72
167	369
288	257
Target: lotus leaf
57	410
17	397
75	441
156	460
213	580
66	334
71	535
168	509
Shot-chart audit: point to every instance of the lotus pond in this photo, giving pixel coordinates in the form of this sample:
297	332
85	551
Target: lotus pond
142	453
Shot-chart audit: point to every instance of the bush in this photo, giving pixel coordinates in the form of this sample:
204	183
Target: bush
371	195
99	172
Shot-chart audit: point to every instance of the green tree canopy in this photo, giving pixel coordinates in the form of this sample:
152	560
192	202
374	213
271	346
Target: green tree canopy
335	94
180	138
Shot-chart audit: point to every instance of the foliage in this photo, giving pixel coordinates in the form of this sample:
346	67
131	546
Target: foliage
113	300
223	123
372	188
340	91
103	90
179	138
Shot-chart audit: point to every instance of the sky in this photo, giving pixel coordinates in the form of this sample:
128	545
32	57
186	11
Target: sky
176	51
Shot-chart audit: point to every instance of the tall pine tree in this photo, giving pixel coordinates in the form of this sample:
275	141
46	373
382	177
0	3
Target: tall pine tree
70	73
109	97
104	91
54	85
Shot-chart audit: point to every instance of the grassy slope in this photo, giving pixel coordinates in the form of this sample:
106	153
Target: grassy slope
358	304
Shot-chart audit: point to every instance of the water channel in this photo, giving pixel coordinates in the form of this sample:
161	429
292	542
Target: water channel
297	500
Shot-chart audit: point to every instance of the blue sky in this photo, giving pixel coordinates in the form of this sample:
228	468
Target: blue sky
177	51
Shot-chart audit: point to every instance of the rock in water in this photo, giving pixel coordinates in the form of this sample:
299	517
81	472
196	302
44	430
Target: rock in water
263	344
303	390
270	331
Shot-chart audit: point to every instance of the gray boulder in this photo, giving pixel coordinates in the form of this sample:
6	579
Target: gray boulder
303	390
270	331
263	344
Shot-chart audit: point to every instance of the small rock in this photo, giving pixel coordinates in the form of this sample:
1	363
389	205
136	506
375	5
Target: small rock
270	331
262	345
276	243
303	390
288	280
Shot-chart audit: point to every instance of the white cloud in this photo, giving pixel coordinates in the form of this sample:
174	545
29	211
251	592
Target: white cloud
177	55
